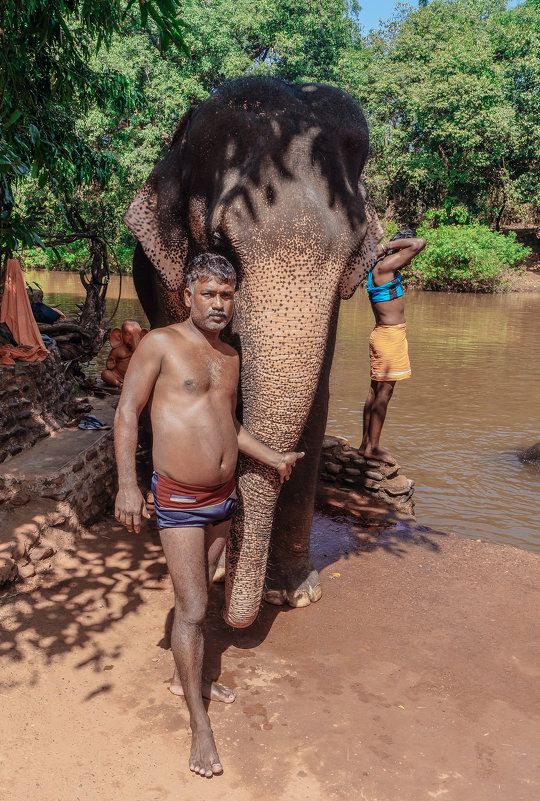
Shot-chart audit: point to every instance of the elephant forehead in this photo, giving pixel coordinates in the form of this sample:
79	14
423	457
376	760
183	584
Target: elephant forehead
298	245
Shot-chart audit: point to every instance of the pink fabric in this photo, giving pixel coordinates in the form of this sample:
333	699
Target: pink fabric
16	313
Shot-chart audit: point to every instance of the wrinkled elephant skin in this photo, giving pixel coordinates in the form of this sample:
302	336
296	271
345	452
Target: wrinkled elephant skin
269	176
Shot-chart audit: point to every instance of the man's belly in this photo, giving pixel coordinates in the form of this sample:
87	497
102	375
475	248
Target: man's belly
199	452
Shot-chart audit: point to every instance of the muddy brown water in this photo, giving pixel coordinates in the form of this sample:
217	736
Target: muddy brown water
457	426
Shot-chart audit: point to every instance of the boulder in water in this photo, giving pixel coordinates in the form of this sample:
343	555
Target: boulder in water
531	455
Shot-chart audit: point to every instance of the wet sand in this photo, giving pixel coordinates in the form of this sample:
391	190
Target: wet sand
415	677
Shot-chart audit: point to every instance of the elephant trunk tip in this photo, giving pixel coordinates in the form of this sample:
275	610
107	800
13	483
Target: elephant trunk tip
237	621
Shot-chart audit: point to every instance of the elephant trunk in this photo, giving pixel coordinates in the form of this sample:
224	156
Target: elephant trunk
282	353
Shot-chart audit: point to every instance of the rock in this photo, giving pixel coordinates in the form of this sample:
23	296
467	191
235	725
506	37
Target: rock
56	519
43	551
322	476
386	469
360	461
8	569
27	571
24	537
353	471
330	442
332	467
375	475
531	455
370	484
399	485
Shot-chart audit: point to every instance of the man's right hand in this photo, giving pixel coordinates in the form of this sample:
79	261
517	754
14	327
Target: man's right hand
130	508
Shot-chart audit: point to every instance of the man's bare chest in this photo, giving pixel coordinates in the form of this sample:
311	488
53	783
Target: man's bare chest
199	374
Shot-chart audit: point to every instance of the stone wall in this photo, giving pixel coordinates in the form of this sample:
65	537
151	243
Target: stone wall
35	399
343	467
85	485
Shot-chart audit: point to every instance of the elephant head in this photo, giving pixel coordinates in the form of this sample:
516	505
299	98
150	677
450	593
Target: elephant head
268	175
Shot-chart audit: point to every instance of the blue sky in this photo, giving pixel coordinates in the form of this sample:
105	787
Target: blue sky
374	10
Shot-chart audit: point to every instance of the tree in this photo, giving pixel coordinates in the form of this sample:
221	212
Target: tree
226	38
46	83
449	90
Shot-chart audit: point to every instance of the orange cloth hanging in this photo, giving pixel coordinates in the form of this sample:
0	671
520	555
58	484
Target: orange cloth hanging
16	313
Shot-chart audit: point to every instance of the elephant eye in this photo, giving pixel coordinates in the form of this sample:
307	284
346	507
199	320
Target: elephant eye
218	237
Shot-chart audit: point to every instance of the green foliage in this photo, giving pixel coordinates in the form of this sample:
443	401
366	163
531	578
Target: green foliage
450	90
73	257
466	258
46	83
451	94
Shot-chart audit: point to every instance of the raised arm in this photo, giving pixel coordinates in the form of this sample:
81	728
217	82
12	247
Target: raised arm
404	251
141	375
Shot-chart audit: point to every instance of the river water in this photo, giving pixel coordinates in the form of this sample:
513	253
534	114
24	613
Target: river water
473	401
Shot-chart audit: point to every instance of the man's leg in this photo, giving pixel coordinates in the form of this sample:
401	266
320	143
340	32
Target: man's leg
383	391
184	550
215	540
366	420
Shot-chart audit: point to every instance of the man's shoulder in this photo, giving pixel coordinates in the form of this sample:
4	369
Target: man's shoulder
228	350
174	332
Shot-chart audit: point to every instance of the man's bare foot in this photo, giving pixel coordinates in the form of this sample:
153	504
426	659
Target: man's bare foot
210	689
379	454
204	758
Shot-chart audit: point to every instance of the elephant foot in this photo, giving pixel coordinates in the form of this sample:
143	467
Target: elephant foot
293	589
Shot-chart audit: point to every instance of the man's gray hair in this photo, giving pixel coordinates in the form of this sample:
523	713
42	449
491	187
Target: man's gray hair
210	265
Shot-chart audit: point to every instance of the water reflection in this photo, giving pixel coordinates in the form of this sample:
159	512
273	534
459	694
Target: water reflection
472	402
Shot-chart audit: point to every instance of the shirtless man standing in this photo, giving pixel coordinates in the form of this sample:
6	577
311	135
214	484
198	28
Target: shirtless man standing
192	378
388	348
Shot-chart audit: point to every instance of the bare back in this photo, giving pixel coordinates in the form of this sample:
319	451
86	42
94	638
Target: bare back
193	385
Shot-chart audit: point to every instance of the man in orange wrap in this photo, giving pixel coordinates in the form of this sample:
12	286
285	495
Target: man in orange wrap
388	350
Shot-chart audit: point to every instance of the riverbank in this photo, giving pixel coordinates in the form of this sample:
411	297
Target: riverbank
410	680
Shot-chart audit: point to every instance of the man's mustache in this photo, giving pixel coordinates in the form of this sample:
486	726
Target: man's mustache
216	314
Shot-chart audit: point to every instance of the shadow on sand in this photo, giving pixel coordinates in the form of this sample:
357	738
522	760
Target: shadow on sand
110	573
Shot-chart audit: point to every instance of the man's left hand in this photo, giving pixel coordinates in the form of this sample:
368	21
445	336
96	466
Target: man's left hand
288	461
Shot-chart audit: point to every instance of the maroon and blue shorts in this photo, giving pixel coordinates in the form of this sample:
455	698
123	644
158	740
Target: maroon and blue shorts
185	506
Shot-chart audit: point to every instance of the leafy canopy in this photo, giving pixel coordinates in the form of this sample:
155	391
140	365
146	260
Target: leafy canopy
47	82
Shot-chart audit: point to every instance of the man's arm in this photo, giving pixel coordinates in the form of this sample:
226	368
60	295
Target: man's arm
141	375
406	249
282	462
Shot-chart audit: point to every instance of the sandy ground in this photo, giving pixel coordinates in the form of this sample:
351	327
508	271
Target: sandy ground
415	677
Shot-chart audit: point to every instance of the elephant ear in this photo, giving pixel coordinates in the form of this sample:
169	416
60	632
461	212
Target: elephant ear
157	215
115	337
364	258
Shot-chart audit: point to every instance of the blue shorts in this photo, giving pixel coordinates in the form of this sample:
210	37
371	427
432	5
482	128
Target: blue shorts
186	506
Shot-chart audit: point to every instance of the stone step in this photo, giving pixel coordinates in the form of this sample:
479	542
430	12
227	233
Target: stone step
65	480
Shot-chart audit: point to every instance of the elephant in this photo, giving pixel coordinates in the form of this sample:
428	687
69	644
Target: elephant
268	175
123	341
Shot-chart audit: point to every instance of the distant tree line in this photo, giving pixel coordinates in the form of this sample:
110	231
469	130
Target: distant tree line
450	91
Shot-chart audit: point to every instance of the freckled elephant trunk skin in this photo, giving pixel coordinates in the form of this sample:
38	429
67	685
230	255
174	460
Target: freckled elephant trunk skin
263	510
